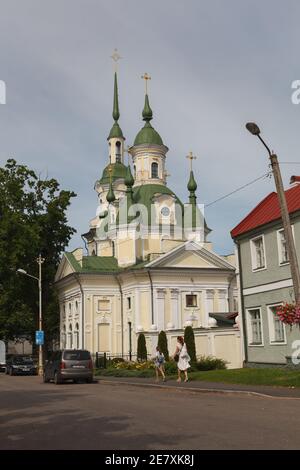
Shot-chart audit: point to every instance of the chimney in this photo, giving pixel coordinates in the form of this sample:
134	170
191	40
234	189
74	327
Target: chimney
295	180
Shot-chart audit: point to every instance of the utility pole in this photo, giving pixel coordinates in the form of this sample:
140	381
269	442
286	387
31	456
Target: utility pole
40	261
288	233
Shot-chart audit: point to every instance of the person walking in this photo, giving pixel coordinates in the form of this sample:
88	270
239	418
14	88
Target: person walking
159	364
182	358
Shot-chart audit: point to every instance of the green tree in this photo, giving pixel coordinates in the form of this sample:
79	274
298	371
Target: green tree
163	344
189	340
32	220
141	348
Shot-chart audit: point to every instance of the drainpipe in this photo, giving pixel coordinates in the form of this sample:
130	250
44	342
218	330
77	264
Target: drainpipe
152	309
82	310
122	314
242	303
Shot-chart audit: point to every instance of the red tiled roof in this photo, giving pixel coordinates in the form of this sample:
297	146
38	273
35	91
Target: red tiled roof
268	210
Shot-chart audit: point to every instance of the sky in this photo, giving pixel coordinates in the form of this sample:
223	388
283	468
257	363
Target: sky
215	65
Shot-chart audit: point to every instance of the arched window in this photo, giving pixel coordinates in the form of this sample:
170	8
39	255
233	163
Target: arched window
63	337
70	337
134	171
154	170
118	152
113	248
76	336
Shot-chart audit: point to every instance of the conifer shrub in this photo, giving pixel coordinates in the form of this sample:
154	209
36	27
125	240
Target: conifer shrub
163	344
141	348
189	340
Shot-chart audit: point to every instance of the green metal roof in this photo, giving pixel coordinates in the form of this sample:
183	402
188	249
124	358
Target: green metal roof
144	194
93	263
119	170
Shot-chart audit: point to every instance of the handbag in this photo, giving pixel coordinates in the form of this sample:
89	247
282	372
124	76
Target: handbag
176	357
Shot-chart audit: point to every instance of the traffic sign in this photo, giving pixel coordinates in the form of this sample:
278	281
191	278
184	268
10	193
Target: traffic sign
39	337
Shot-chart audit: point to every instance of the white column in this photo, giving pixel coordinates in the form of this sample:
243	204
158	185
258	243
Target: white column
209	305
138	326
159	313
175	307
222	298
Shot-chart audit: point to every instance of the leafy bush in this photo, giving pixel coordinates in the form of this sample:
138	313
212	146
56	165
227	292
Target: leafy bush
134	365
163	344
116	360
141	348
170	367
210	363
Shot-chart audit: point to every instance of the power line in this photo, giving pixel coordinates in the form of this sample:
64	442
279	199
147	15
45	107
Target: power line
266	175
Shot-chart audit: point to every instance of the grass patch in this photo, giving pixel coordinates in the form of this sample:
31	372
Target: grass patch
272	376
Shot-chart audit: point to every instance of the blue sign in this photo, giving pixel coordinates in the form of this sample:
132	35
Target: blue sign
39	337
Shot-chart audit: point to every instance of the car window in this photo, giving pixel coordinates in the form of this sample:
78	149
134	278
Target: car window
23	360
77	355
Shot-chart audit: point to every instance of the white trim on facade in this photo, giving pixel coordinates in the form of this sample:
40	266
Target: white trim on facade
250	330
268	287
271	325
256	269
279	248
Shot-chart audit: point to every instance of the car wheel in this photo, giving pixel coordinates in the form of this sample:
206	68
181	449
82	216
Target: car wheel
45	379
89	381
57	380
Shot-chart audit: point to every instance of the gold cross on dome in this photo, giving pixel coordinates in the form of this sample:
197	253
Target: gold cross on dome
146	77
116	57
191	157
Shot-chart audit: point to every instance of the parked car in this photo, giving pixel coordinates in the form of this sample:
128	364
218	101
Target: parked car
2	366
69	364
20	365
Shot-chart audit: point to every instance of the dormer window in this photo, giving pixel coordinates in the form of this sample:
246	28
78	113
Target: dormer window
118	151
154	170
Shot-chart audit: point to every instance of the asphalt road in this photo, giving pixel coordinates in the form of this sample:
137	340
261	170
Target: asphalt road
34	415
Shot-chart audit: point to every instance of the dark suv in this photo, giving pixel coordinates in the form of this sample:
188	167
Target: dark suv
20	365
69	364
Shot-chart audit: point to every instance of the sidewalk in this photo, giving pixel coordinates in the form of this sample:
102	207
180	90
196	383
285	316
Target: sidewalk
205	387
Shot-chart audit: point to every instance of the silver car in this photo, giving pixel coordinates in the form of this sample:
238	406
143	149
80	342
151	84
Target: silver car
69	364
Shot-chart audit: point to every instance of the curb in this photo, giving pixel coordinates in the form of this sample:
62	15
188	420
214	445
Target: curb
198	390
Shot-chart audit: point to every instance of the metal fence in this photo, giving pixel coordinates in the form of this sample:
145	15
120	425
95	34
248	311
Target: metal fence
105	360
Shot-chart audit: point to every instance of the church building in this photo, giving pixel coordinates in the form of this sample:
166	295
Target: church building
148	264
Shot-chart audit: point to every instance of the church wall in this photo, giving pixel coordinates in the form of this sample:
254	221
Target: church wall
126	251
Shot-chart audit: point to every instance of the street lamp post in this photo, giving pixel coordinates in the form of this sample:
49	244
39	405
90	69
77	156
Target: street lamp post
40	261
290	243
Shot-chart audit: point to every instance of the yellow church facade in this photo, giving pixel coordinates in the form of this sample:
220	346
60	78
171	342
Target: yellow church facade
148	264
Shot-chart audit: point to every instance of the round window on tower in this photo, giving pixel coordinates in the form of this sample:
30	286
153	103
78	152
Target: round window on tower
165	211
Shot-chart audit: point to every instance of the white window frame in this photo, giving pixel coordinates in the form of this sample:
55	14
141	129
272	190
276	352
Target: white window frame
280	262
271	325
253	254
249	328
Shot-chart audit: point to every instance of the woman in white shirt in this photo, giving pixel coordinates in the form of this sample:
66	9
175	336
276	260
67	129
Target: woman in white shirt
182	358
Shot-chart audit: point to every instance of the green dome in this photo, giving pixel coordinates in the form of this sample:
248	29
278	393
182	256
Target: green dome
118	171
192	185
129	180
116	131
148	135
